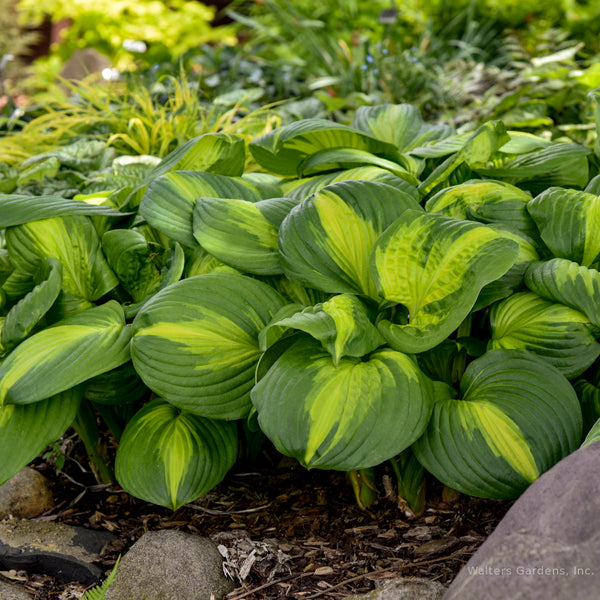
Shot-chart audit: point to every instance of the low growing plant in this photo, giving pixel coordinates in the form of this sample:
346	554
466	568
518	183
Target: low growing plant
386	291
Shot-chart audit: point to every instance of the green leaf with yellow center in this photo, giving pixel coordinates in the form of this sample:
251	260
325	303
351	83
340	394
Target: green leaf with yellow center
517	417
435	267
195	343
352	415
171	457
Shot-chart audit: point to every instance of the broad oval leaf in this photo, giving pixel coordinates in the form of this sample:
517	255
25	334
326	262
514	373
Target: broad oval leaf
65	354
342	324
171	457
24	315
168	203
119	386
237	233
195	343
282	150
567	282
518	416
350	416
25	430
326	240
569	223
71	240
562	336
435	267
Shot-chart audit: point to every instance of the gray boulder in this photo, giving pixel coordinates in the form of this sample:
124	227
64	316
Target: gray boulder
26	495
9	591
405	588
547	545
170	565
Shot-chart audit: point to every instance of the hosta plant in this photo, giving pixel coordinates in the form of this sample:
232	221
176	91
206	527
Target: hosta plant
386	291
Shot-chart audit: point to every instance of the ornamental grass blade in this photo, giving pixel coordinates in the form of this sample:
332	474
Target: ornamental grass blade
171	457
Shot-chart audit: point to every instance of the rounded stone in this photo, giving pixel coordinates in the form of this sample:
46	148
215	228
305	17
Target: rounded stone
26	495
170	565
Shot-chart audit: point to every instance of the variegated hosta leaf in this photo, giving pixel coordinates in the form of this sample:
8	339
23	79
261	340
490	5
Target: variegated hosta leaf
325	241
71	240
346	158
17	209
25	430
282	150
299	189
342	324
266	184
478	149
512	280
195	343
129	256
489	202
399	124
517	417
350	416
567	282
569	223
435	267
561	164
593	435
562	336
171	457
410	477
200	262
168	203
65	354
240	233
24	315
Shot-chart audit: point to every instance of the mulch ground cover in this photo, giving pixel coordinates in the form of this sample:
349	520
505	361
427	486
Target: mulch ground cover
284	532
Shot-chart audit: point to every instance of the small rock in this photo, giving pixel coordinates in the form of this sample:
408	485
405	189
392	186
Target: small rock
548	544
405	588
52	548
170	565
26	495
9	591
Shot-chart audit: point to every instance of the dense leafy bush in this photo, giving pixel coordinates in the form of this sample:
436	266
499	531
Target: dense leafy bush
386	291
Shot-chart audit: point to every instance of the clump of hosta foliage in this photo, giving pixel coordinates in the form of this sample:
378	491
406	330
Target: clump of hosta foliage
386	291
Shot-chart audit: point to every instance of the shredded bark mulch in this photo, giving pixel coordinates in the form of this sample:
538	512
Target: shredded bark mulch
284	532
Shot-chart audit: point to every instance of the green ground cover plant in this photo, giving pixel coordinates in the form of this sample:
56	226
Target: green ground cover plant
389	290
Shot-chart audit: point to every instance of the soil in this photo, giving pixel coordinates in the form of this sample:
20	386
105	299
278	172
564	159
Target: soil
286	532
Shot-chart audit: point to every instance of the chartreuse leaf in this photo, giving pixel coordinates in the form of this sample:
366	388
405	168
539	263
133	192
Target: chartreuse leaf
71	240
517	417
239	232
282	150
200	262
569	223
24	315
489	202
562	336
130	257
567	282
350	416
342	324
478	149
65	354
26	429
169	201
301	188
171	457
435	267
593	435
17	209
195	343
325	241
